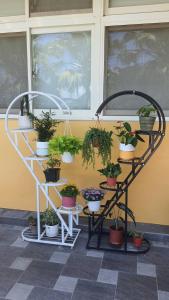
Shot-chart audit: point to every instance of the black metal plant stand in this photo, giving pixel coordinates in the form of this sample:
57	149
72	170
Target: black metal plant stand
97	234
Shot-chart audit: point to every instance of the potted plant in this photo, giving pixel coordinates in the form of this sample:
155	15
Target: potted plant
147	117
112	171
137	239
45	127
66	146
32	223
116	233
51	221
25	121
100	139
93	197
128	140
52	172
69	193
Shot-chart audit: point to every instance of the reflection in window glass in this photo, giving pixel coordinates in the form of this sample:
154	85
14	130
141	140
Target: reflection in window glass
137	60
62	66
13	67
114	3
43	6
12	8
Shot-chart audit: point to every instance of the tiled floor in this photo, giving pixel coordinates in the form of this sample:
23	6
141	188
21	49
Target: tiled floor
42	272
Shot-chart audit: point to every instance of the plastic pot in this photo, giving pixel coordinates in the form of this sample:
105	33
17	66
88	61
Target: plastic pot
137	241
127	152
52	231
68	202
42	148
93	206
116	236
147	123
67	157
25	122
111	181
52	174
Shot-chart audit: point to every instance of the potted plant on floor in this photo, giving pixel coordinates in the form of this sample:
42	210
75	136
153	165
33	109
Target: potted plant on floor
93	197
66	146
112	171
128	140
147	117
100	139
52	172
32	223
51	221
25	121
137	239
45	127
69	193
116	233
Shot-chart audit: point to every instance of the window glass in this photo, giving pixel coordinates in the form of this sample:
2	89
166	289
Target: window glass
62	66
47	7
12	8
115	3
137	60
13	68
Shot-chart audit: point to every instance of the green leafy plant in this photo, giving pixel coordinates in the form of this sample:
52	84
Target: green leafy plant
126	135
146	111
100	138
136	234
53	162
117	218
69	190
60	144
45	126
32	221
112	170
49	217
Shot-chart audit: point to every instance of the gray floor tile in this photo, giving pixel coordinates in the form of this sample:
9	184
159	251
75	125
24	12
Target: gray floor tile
21	263
80	245
163	277
95	253
20	243
7	236
41	273
15	213
39	251
146	269
59	257
80	266
160	244
8	255
108	276
162	295
120	262
136	287
8	278
66	284
86	290
19	292
156	256
48	294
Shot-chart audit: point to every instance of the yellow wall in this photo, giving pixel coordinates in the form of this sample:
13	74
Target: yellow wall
148	196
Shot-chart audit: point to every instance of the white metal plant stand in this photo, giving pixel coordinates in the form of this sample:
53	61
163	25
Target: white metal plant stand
67	232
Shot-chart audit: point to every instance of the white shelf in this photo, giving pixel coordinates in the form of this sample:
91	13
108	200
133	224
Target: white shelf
62	181
74	210
36	158
21	130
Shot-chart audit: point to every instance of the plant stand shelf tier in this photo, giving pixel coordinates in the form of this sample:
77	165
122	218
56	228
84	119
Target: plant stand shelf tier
68	218
98	236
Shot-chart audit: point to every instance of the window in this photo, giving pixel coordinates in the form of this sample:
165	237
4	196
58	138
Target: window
13	68
137	60
60	6
12	8
62	66
119	3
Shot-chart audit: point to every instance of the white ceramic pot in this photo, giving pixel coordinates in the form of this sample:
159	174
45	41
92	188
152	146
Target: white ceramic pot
42	148
93	205
52	231
25	122
67	157
126	148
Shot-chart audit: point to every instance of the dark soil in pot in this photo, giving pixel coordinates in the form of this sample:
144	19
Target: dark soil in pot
52	174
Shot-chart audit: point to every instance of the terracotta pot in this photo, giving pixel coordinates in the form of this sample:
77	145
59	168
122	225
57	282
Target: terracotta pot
137	241
111	181
116	236
127	152
68	202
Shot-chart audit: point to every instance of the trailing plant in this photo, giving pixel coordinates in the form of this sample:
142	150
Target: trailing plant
60	144
69	190
117	218
45	126
126	135
100	138
92	194
112	170
49	217
53	162
146	111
